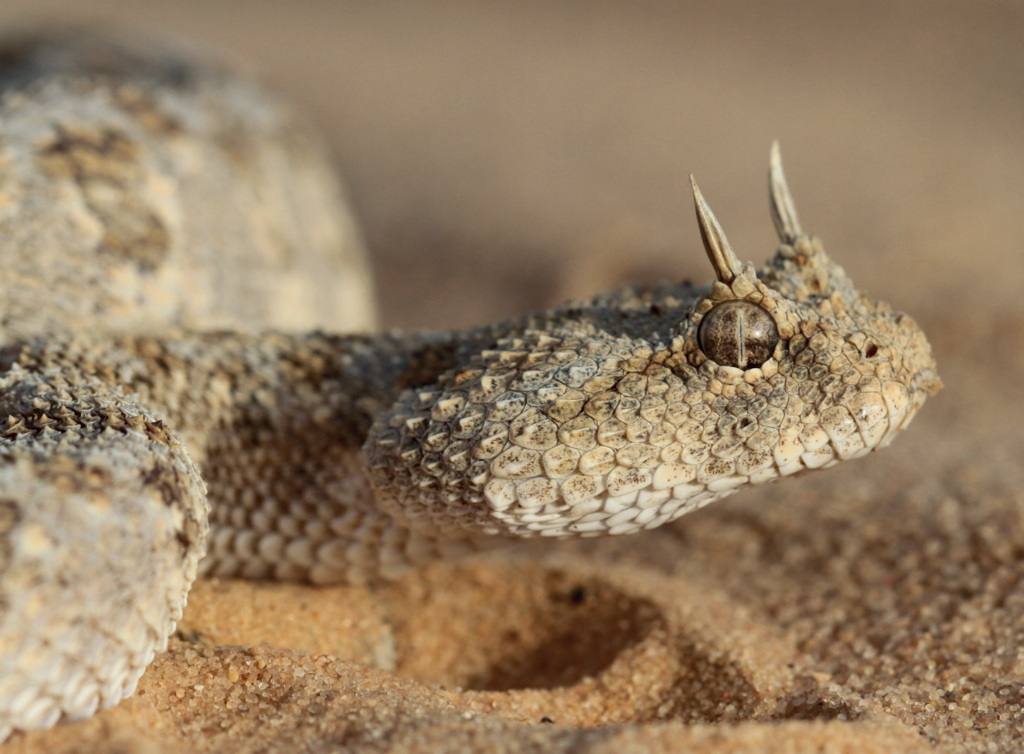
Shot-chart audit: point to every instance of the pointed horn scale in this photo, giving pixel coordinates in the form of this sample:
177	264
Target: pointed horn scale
787	223
727	265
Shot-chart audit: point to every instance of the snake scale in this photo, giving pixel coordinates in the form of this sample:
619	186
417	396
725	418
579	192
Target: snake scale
170	237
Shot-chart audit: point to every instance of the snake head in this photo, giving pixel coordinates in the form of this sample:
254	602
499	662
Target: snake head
628	410
845	373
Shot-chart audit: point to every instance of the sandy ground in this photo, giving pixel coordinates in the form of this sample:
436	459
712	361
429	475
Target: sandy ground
505	156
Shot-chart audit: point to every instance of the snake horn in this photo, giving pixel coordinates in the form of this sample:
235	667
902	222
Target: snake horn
727	265
787	223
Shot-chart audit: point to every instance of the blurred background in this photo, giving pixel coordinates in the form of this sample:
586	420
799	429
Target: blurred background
507	155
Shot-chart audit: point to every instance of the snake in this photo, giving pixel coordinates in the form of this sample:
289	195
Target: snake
184	389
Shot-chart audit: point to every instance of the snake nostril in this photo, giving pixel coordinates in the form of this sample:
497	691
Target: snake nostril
871	350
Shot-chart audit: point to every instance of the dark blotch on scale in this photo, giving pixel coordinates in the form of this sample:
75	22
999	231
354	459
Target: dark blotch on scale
738	334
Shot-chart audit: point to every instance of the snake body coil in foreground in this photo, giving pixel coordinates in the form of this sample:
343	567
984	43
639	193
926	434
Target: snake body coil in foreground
158	217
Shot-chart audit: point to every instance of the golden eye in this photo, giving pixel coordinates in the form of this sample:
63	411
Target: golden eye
738	334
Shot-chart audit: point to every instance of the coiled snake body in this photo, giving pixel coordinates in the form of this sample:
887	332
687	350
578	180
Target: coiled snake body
158	215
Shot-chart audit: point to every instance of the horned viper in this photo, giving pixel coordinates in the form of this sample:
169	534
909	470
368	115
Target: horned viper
159	216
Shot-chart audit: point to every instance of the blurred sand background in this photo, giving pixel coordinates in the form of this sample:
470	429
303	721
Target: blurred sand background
508	155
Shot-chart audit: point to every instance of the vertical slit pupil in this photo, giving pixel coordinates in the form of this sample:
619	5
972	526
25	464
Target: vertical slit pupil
738	334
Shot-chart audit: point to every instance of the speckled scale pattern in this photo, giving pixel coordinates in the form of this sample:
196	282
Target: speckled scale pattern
584	428
152	428
91	482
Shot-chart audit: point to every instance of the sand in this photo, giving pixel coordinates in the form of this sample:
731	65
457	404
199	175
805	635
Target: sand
507	156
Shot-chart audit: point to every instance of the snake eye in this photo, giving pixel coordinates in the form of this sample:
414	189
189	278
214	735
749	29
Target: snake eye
738	334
